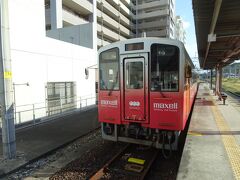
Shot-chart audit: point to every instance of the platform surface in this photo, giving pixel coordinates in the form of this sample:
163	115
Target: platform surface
35	141
212	147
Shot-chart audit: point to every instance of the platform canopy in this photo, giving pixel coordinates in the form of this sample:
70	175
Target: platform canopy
217	24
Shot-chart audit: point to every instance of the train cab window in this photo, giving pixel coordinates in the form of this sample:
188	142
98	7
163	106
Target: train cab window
134	75
109	70
164	68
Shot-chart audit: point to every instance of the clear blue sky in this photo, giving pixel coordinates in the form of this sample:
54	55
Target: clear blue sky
184	9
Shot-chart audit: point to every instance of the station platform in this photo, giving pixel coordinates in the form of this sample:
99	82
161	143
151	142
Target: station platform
35	141
212	147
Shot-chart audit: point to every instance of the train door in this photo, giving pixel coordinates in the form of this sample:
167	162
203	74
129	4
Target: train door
135	89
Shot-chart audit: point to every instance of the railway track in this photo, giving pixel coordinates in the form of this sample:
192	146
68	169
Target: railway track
109	159
132	162
236	95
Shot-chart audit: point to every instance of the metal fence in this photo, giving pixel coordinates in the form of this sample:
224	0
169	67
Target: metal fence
38	111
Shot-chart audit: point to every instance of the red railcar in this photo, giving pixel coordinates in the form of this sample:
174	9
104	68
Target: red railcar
146	91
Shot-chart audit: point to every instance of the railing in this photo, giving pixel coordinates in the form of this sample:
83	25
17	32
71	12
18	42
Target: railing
39	111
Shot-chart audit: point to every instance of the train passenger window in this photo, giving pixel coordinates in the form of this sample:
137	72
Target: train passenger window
134	75
188	71
164	68
109	70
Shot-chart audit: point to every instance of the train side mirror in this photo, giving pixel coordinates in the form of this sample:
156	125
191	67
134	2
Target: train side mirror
86	73
188	71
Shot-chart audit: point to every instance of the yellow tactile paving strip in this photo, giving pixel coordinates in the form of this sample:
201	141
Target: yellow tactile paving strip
231	146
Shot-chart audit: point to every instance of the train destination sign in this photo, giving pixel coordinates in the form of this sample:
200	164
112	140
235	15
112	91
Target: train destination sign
134	46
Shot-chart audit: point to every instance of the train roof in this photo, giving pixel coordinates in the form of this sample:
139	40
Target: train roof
142	39
146	40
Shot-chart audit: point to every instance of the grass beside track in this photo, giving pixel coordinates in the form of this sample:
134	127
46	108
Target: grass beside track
232	84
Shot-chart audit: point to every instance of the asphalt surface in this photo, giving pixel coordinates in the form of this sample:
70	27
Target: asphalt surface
33	142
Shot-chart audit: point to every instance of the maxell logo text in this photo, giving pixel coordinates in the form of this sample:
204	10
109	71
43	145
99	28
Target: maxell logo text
107	102
163	106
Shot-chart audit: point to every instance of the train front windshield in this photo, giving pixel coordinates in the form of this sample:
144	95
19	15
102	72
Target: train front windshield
164	68
109	69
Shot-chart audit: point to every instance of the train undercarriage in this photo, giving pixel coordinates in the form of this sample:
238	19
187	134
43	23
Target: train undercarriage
134	133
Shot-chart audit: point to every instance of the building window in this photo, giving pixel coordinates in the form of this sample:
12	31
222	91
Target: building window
47	4
61	96
48	27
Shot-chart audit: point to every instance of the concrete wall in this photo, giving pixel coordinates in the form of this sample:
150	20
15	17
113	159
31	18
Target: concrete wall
79	35
38	59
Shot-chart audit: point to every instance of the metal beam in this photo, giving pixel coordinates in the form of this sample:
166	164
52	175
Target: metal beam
6	89
216	11
219	50
228	36
233	53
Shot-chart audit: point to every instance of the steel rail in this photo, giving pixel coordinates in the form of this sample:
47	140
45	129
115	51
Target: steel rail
100	172
140	175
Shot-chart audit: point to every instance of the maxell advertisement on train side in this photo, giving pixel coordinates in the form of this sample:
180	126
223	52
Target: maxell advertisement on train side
172	107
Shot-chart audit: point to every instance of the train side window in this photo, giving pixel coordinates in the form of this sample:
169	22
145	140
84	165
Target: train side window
109	70
188	71
164	68
188	74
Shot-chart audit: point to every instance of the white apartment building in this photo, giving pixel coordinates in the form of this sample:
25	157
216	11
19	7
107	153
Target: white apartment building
154	18
116	19
180	33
